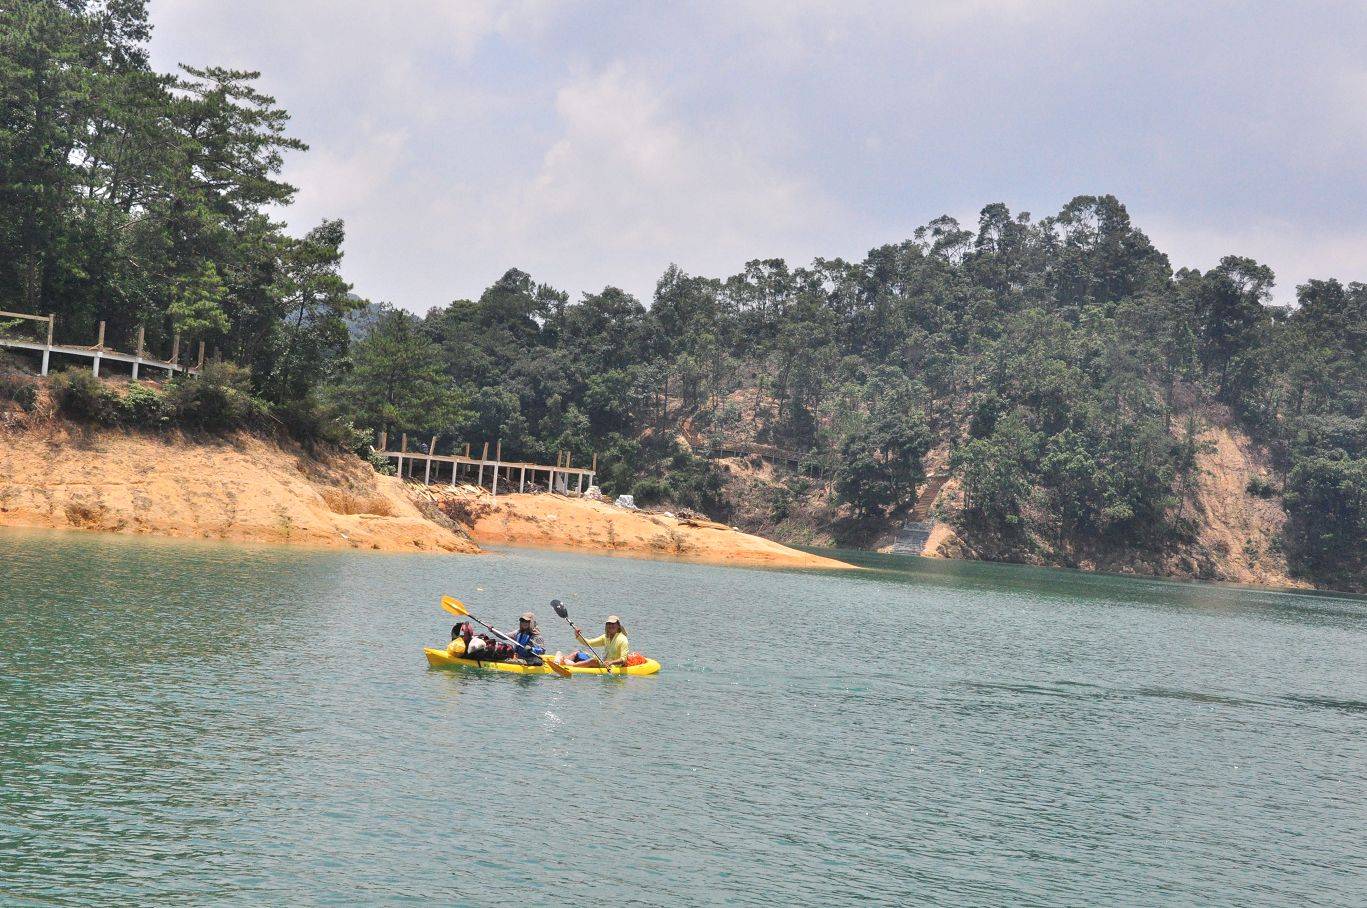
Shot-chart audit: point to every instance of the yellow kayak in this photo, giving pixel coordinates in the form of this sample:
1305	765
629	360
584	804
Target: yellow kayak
438	658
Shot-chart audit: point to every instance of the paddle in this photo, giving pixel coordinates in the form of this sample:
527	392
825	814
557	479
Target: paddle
559	608
457	608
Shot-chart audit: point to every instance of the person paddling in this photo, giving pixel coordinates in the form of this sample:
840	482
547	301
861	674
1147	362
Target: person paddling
530	645
613	641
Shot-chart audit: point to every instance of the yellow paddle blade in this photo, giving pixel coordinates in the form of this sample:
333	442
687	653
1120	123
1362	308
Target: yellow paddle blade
559	669
454	606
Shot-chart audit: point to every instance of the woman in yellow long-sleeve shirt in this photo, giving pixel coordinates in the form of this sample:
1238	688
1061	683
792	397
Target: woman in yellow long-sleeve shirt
614	645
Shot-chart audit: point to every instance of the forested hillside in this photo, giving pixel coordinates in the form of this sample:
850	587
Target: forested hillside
1062	365
1059	371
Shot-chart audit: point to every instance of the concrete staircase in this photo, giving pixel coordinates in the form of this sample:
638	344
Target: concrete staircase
911	537
913	533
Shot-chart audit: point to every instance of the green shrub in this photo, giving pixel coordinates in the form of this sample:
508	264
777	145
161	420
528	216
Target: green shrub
19	388
309	421
651	491
143	405
383	465
1261	488
695	483
780	502
216	399
82	396
26	396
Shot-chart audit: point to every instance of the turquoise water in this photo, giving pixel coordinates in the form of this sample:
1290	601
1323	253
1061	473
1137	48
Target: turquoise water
199	724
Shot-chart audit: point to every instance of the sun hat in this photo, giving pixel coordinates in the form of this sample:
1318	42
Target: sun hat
613	619
528	616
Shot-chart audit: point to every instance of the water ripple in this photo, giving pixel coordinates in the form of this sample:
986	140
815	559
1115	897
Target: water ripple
222	725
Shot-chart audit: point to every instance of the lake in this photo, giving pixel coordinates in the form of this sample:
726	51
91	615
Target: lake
215	724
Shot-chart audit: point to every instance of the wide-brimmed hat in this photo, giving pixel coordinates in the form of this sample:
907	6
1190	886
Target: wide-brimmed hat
613	619
528	616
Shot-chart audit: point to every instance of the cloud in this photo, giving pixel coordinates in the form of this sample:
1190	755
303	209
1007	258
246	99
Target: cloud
1295	252
628	185
346	180
595	145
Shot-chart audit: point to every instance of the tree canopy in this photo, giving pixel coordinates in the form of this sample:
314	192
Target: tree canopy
144	199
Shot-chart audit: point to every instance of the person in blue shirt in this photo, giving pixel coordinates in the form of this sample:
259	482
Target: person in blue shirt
530	646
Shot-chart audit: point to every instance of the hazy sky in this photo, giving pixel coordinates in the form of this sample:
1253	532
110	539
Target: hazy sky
596	143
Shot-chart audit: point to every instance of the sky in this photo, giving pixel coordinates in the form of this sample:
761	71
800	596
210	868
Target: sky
594	144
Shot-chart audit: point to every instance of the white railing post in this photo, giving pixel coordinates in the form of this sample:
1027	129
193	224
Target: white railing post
99	350
47	351
498	456
137	357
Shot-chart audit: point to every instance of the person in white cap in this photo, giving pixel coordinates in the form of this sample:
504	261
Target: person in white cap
613	642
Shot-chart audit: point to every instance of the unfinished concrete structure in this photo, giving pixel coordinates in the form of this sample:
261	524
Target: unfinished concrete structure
475	470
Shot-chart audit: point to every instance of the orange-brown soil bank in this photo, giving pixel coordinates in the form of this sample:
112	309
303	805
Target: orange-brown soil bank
242	488
595	526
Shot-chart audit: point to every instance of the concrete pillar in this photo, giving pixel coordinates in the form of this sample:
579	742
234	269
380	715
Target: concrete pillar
137	355
47	351
498	462
99	349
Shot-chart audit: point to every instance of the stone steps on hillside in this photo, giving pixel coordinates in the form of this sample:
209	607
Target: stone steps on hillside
926	500
911	537
915	530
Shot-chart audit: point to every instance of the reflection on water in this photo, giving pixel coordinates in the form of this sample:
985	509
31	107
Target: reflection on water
208	724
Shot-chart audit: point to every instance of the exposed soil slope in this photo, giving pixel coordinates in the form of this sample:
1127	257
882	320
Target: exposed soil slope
243	488
578	523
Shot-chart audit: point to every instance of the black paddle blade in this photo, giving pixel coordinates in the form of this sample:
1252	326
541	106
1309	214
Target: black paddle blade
559	608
